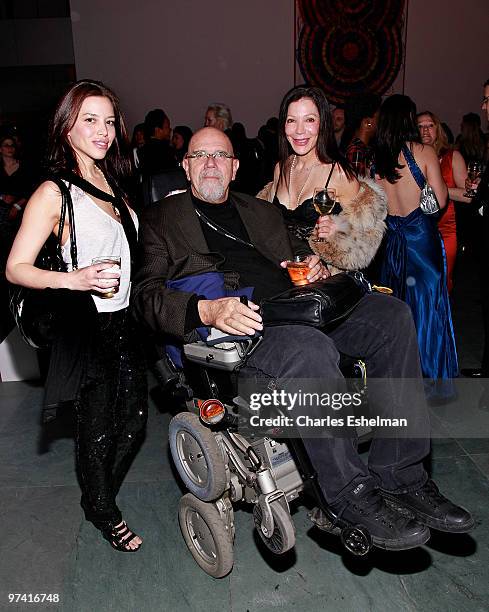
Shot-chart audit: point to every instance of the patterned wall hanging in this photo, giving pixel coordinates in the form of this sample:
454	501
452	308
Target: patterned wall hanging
350	46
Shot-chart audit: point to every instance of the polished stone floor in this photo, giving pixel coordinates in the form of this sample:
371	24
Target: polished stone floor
47	547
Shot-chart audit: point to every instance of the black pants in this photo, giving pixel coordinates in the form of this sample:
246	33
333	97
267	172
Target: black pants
111	415
381	332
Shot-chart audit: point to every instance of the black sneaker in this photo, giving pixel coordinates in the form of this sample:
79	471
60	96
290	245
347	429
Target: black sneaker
432	508
389	529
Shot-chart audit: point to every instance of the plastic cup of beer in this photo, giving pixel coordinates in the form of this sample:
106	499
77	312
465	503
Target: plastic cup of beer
298	270
115	260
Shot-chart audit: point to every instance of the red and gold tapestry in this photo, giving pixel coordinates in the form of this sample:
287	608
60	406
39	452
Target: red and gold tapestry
350	46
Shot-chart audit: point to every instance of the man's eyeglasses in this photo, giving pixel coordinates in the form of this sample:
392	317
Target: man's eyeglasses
485	100
217	155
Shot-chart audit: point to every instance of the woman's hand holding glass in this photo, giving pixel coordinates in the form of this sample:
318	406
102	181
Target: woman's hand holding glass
94	278
324	229
317	270
474	169
324	201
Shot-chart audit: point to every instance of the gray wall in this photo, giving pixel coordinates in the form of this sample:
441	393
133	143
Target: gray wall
447	57
181	54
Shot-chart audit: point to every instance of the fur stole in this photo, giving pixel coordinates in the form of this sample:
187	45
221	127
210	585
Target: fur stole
267	193
360	229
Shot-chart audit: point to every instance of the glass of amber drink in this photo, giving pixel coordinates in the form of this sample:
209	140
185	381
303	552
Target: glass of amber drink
298	270
115	260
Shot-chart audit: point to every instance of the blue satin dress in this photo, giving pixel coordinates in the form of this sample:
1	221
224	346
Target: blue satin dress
414	266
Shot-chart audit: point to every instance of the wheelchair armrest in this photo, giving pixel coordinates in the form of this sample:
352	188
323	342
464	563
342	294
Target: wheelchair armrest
219	337
223	357
223	351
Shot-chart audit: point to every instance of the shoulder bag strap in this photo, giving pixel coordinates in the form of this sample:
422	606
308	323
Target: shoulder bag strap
415	170
66	205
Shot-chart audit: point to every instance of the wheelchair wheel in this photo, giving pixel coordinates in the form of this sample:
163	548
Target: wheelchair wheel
197	457
283	536
206	536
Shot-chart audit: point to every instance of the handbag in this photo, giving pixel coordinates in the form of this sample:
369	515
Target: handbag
427	199
320	304
37	312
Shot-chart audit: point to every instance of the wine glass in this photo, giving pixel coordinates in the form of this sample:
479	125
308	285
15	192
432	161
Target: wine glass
323	201
474	170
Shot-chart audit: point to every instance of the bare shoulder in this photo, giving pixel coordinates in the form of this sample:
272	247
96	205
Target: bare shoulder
47	197
48	190
420	151
348	184
341	174
457	157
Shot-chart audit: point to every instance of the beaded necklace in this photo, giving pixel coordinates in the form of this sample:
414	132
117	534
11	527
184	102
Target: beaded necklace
110	192
292	166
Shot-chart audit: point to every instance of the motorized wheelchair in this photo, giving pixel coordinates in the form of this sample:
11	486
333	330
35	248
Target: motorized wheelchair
221	466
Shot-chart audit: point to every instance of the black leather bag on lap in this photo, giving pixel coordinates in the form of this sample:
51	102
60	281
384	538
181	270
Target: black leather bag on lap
37	312
321	304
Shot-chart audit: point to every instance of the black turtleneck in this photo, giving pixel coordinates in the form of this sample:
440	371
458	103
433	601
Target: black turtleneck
254	269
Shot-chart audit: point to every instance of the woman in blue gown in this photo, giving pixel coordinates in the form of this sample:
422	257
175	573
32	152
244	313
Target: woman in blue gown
413	262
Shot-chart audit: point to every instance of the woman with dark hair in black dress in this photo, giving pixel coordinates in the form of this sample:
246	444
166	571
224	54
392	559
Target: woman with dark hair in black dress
309	158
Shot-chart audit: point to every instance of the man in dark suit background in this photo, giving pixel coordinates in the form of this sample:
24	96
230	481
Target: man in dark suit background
156	155
210	229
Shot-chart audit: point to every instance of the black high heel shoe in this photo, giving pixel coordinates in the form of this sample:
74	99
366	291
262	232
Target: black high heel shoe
118	536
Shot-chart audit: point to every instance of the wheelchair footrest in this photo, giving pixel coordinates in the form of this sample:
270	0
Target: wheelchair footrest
321	520
355	538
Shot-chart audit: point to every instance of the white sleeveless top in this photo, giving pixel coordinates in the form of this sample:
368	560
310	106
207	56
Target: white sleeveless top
98	234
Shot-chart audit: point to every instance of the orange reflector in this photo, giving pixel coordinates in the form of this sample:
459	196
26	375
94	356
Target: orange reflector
211	411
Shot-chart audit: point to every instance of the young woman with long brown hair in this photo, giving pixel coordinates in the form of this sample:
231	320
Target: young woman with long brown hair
96	360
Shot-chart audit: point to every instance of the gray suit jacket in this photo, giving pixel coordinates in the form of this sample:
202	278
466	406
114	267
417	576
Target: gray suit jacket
172	246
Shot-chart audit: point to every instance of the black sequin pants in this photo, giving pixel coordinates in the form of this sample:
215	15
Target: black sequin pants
111	415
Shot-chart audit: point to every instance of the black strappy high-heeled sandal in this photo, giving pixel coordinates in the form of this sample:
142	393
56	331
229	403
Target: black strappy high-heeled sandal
117	536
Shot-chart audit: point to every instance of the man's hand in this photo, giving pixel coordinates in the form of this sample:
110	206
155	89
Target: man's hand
230	316
317	270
